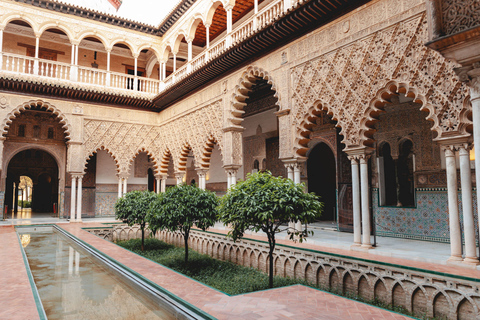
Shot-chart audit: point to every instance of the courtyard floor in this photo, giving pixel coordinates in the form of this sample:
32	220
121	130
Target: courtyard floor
297	302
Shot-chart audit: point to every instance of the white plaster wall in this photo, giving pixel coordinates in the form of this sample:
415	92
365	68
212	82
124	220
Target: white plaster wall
267	120
216	172
106	169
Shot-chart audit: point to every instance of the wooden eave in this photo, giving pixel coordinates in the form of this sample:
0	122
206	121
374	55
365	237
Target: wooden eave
71	93
297	22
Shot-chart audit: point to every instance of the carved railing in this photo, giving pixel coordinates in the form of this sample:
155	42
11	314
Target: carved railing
92	76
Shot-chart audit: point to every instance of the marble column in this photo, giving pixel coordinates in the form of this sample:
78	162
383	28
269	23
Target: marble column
179	176
454	219
163	184
475	100
157	184
107	79
202	178
79	198
73	195
35	63
120	182
124	186
467	206
296	172
231	176
357	219
365	196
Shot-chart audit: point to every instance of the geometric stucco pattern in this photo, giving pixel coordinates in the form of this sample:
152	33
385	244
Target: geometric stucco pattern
354	82
124	141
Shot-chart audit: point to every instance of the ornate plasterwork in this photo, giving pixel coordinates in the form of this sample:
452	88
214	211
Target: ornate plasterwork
459	15
354	82
28	105
241	90
195	131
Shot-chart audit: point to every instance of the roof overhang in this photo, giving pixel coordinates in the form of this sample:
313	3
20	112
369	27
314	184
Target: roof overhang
297	22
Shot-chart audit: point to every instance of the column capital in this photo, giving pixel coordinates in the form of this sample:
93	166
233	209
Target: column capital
229	7
207	25
293	162
358	152
202	171
470	75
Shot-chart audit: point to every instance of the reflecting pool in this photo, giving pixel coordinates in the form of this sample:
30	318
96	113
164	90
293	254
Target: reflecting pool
74	285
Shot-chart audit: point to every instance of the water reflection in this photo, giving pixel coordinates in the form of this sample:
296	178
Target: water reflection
73	286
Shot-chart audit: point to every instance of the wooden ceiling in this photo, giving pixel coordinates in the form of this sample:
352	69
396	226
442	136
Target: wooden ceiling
219	24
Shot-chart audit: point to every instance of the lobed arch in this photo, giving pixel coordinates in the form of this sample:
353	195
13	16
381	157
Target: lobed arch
150	154
181	164
242	89
56	25
28	105
16	16
108	150
164	161
304	128
207	151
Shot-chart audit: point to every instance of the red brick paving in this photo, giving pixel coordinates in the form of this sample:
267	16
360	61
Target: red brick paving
16	297
296	302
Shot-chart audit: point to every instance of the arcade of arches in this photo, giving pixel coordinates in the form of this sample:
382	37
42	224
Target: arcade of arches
368	117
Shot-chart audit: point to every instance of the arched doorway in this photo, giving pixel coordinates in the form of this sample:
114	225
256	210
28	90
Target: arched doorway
322	178
42	168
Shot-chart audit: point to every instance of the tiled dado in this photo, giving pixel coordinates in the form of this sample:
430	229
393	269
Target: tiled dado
427	221
418	290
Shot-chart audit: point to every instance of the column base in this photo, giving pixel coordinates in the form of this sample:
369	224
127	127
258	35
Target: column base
471	261
367	246
455	259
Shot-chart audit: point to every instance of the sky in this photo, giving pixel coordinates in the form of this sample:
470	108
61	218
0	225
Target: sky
147	11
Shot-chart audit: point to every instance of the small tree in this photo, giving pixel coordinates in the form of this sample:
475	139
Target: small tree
264	202
180	208
132	208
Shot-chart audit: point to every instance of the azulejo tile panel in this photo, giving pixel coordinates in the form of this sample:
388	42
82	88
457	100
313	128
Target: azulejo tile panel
427	221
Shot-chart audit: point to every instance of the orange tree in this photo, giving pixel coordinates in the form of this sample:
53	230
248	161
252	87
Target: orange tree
266	203
132	208
180	208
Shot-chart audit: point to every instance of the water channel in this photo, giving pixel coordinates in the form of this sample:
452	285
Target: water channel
72	284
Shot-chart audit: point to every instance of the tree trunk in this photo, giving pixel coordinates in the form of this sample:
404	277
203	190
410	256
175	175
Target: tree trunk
271	243
143	236
185	238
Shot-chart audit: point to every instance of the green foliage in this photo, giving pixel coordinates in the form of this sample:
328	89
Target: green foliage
24	204
132	208
180	208
222	275
264	202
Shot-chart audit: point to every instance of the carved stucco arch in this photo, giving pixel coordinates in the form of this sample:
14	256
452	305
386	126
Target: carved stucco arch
242	89
156	164
353	84
207	151
28	105
193	24
103	147
164	161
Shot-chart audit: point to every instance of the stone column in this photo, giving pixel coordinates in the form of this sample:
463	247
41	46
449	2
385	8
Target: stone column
365	194
174	63
163	184
135	79
179	176
357	220
454	220
467	206
124	186
231	175
229	25
73	195
107	80
1	49
296	172
207	34
35	62
120	182
475	100
158	178
79	198
202	176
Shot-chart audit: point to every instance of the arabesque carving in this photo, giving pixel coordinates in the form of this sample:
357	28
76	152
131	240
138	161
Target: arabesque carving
458	15
354	82
125	140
